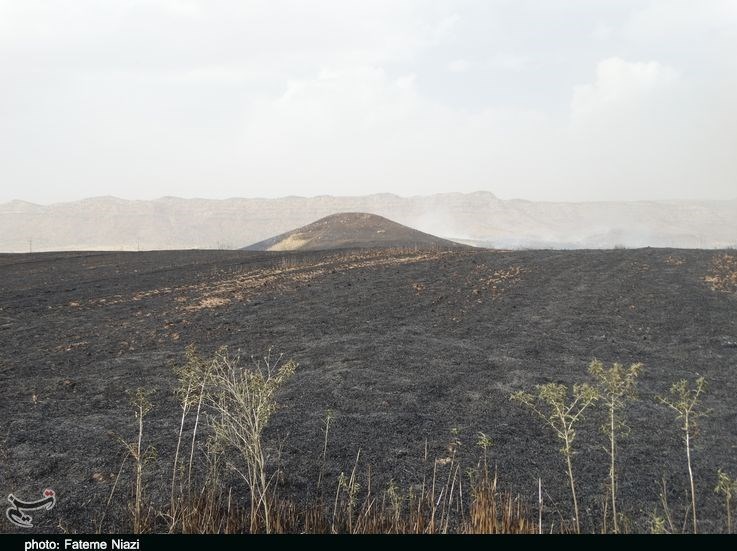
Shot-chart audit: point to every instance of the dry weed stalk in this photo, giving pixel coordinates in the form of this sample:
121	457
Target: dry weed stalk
727	487
686	402
616	387
192	381
551	403
326	431
142	405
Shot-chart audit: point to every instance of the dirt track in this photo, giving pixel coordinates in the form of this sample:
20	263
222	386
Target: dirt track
401	346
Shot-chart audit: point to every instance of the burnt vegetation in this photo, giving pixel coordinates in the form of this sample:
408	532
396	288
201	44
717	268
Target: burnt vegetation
143	387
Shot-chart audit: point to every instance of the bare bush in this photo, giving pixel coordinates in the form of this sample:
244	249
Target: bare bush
243	400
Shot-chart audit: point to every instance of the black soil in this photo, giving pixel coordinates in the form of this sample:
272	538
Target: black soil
402	346
351	230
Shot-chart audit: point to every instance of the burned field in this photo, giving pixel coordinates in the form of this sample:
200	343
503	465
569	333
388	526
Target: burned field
407	349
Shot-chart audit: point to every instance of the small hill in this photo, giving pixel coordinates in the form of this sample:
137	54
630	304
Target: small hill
351	230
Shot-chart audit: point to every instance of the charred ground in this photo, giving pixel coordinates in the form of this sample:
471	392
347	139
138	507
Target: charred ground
403	347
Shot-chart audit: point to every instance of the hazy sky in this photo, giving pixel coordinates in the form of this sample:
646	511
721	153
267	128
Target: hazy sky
547	99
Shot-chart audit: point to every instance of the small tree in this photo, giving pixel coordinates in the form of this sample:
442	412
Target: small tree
561	413
616	387
686	402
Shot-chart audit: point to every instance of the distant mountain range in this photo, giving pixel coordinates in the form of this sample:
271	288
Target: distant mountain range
477	218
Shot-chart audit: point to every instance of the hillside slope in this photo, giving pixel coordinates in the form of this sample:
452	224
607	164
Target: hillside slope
351	230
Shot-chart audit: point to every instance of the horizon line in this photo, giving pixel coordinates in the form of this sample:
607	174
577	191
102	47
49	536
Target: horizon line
326	195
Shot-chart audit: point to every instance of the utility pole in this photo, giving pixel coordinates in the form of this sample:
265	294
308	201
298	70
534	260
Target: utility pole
30	245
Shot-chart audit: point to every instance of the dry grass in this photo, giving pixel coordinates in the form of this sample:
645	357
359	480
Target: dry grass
286	274
501	280
723	274
291	243
210	302
70	346
418	287
674	260
439	506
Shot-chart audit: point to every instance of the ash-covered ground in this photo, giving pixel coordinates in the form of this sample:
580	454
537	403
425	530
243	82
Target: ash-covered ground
402	346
